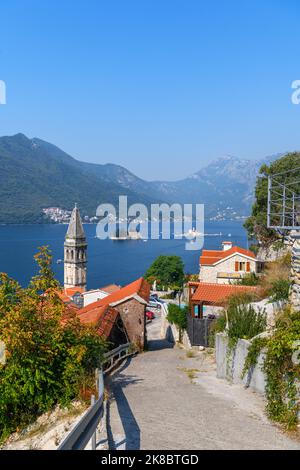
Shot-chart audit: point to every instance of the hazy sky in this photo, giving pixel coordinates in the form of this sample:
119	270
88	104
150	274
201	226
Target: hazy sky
159	86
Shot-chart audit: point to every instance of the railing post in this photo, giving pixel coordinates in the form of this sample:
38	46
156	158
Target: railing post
97	380
93	401
100	383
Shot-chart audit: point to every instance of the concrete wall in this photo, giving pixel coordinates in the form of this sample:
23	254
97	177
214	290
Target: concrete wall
231	368
270	309
92	296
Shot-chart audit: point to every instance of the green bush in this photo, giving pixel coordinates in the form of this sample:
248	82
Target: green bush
279	290
217	326
281	370
49	354
250	279
243	321
177	316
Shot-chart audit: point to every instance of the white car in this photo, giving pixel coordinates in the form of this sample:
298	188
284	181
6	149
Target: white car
154	304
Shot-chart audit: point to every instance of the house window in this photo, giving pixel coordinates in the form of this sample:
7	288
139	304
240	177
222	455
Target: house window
242	266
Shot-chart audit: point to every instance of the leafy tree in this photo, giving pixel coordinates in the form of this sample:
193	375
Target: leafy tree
168	270
178	317
49	354
256	224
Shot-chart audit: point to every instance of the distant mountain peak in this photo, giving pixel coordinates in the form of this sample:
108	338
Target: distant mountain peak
37	174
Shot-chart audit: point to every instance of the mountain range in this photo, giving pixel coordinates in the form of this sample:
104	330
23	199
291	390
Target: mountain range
35	174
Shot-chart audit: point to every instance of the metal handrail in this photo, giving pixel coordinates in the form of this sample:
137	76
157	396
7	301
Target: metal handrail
86	427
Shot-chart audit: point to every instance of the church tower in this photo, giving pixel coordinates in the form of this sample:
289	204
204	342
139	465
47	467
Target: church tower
75	253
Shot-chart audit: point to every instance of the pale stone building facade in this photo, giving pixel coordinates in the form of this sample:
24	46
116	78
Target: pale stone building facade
228	265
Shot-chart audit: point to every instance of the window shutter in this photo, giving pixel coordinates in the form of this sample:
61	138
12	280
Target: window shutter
248	267
236	265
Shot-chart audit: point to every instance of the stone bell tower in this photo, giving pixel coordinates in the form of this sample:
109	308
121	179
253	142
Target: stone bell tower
75	253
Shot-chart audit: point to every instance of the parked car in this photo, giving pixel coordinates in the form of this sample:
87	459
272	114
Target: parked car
150	315
154	297
154	304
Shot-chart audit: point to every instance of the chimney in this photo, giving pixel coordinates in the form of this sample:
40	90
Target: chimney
226	246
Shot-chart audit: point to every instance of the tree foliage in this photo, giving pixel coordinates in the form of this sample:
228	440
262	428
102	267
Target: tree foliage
49	353
281	368
279	290
177	316
256	224
243	321
167	271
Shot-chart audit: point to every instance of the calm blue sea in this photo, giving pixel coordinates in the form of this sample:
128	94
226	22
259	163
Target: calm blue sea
109	261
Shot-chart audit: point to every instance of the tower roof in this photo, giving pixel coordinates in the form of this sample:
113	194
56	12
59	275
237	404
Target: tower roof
75	229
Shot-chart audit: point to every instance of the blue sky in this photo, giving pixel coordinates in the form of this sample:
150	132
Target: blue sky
159	86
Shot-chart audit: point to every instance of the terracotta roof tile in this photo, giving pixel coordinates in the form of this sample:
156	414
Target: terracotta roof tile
101	313
66	294
210	257
110	288
218	293
73	290
103	317
139	287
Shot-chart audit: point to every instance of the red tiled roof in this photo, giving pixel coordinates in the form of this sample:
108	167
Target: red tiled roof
139	287
210	257
73	290
100	312
218	293
104	317
66	294
110	288
63	296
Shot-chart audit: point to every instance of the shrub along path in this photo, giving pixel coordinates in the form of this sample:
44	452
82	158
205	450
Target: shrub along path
163	399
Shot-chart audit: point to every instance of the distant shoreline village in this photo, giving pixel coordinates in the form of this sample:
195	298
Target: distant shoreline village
58	215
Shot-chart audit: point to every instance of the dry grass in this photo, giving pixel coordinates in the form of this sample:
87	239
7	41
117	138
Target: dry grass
190	353
191	373
46	422
275	270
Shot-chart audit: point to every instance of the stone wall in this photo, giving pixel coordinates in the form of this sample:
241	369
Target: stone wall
132	313
269	253
209	273
295	271
231	368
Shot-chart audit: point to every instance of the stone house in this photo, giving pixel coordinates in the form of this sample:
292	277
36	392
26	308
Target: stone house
205	294
228	265
108	323
130	302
